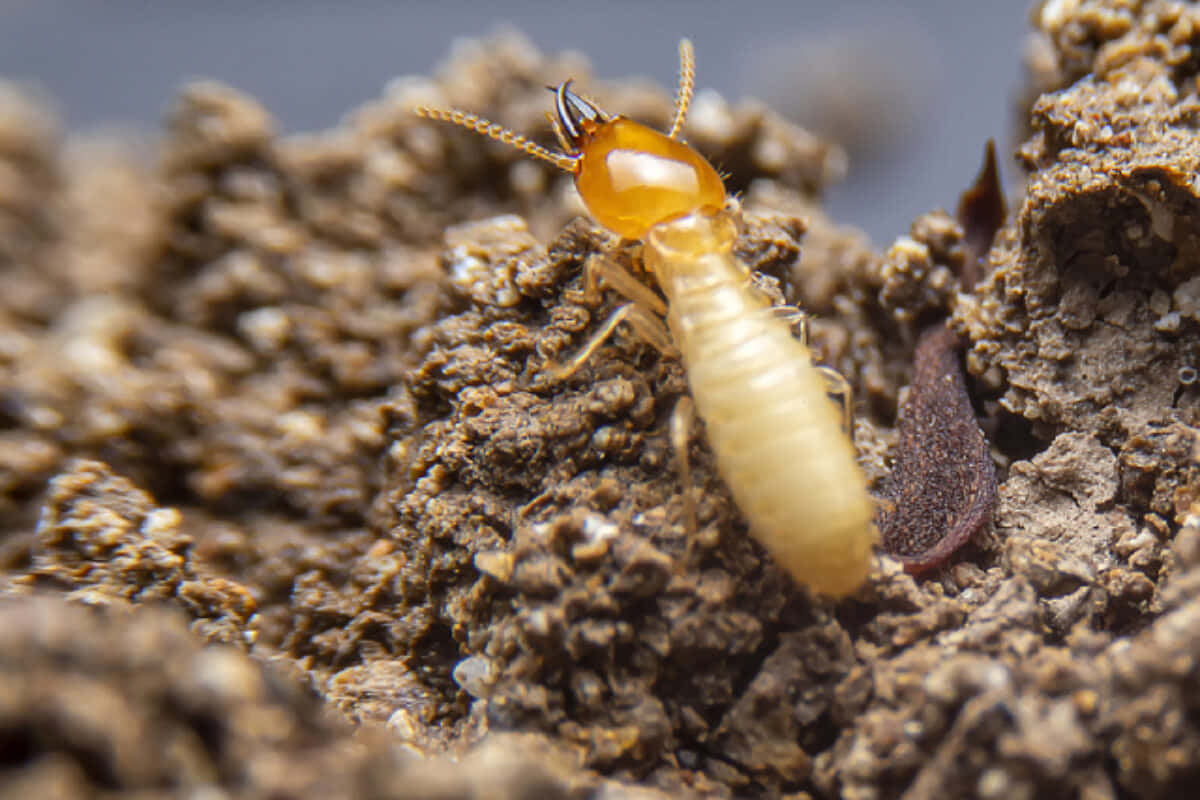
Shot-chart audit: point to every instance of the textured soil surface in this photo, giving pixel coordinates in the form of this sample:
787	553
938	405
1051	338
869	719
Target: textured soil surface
291	505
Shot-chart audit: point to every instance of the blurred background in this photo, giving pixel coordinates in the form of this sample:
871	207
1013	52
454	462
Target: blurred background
938	75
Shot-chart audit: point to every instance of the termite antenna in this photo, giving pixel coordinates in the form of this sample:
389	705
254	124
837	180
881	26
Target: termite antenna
687	84
494	130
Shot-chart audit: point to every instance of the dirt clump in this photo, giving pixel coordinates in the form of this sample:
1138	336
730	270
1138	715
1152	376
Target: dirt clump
116	703
297	390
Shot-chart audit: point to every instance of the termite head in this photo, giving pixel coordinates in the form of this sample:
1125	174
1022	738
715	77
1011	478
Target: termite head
629	176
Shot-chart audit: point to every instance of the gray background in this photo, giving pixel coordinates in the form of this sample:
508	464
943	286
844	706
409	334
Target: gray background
940	74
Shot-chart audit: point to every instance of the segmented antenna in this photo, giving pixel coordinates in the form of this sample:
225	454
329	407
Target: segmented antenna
494	130
687	83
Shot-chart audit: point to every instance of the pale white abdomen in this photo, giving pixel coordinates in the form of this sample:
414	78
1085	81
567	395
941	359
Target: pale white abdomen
776	435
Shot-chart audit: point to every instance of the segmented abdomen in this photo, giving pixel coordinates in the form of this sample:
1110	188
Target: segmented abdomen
776	435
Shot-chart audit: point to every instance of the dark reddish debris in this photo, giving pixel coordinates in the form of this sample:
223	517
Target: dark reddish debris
943	485
981	212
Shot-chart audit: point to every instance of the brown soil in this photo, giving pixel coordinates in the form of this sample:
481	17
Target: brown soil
290	506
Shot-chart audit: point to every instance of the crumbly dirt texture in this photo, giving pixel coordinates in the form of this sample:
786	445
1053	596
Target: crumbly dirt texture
291	506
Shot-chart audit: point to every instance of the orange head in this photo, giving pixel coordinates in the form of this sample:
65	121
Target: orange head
630	177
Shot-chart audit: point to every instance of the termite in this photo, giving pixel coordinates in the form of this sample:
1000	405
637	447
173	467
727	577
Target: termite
778	440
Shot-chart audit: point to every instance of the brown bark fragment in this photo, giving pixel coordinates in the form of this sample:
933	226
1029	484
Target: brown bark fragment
943	485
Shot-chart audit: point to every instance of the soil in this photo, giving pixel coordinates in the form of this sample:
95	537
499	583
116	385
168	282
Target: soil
291	506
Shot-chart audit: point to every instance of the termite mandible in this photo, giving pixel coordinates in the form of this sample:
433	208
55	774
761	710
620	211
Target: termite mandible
778	440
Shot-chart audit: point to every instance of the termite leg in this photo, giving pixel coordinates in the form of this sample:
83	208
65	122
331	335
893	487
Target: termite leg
601	268
797	319
644	323
836	384
643	313
681	437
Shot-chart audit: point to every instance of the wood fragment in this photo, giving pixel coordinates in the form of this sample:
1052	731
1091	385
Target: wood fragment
943	486
981	212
